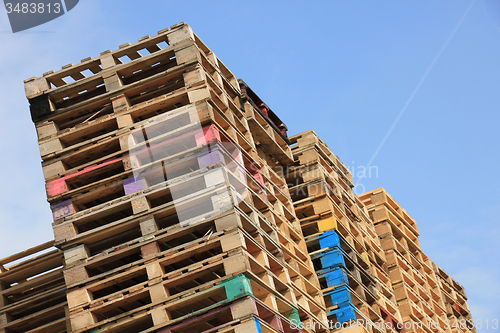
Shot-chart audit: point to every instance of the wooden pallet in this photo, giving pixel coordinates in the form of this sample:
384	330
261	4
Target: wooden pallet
418	296
55	140
398	254
317	174
154	164
94	260
161	218
62	210
32	292
174	283
110	71
450	281
330	223
312	167
117	216
99	272
330	202
267	128
388	307
248	314
417	320
318	245
264	133
127	251
233	319
319	208
66	161
350	315
393	323
76	71
62	145
454	299
198	186
315	188
308	148
381	214
399	265
358	279
194	302
323	213
99	89
381	197
267	253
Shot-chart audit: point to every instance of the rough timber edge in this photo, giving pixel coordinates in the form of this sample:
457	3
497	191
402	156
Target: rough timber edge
310	139
391	204
25	253
36	86
29	264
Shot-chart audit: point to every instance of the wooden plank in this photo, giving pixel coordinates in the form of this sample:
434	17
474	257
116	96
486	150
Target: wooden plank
27	252
272	143
39	318
39	281
35	266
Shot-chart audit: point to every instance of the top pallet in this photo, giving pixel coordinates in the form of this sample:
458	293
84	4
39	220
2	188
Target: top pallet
132	62
380	196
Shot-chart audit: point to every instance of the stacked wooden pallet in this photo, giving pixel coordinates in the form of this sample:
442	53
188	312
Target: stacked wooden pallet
455	301
32	291
180	204
341	238
416	280
168	204
269	135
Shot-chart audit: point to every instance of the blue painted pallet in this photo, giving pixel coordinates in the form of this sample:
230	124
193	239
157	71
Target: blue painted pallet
330	239
341	297
335	278
334	262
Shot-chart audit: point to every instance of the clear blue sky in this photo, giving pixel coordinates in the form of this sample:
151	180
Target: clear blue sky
343	68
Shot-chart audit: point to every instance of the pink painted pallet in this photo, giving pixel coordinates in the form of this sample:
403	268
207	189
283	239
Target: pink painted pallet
207	141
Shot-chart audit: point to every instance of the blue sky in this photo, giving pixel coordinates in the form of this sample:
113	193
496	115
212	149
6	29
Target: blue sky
343	68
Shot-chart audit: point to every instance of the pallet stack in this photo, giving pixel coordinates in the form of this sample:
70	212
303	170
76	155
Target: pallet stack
455	301
180	205
340	236
428	299
161	176
32	291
